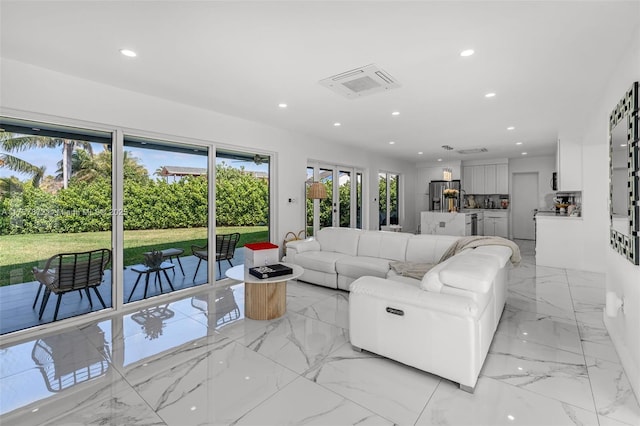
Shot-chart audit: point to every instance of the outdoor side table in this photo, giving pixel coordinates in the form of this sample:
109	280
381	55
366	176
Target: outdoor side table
142	269
170	253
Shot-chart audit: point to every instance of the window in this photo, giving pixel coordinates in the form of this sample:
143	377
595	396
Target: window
165	217
242	200
55	198
59	194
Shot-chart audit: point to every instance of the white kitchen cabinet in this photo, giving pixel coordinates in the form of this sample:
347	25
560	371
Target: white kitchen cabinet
490	179
467	179
485	179
569	165
480	223
502	179
478	180
496	224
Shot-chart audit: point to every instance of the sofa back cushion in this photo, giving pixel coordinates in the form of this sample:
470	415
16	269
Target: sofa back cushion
339	240
385	245
428	248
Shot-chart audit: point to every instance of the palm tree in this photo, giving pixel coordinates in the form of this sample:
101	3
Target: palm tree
21	166
83	166
13	142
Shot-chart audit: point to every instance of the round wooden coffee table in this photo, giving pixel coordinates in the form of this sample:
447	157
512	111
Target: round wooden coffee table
266	298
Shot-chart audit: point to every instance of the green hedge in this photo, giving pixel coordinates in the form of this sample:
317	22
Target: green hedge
241	200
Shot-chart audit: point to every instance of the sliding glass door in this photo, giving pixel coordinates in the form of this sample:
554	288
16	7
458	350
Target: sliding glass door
242	204
166	217
56	216
63	190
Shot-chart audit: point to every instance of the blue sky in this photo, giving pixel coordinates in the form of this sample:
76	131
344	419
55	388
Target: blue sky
149	158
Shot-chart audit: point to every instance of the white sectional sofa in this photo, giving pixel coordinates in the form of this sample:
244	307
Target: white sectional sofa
338	256
442	324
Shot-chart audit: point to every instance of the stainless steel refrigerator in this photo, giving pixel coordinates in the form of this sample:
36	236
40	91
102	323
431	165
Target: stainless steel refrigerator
437	202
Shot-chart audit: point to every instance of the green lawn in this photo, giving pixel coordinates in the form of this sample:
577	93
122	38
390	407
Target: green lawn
19	253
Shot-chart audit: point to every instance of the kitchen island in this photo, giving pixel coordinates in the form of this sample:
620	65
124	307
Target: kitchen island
441	223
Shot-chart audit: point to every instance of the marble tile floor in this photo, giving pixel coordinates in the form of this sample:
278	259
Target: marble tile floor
198	361
16	301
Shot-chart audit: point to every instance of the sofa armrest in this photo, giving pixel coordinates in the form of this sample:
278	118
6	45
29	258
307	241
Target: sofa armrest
473	272
412	295
300	246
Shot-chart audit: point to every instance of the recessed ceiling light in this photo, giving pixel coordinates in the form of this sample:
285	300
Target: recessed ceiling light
392	143
129	53
337	124
395	113
439	159
489	95
524	153
420	152
510	128
467	52
282	105
623	144
518	143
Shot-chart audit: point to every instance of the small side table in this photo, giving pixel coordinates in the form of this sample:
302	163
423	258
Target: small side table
142	269
264	299
170	253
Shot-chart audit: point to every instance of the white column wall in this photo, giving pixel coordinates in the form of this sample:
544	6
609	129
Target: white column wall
622	277
31	91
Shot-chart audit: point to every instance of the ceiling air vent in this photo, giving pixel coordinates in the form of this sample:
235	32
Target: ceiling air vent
359	82
472	151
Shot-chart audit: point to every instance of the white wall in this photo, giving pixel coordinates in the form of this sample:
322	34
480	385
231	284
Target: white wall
28	92
622	277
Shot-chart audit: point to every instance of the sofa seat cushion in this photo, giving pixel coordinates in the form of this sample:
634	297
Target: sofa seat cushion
358	266
410	269
321	261
400	279
474	272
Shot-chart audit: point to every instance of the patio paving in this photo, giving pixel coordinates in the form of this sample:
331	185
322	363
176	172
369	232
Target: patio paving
16	301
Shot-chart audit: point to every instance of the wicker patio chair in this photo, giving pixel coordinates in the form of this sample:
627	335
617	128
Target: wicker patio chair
67	272
225	249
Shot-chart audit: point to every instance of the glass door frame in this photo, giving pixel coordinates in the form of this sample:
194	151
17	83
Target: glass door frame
356	176
387	202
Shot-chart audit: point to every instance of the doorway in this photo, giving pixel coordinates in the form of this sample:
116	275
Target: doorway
524	201
343	205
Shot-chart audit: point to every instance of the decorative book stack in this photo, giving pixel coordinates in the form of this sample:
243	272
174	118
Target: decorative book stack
270	271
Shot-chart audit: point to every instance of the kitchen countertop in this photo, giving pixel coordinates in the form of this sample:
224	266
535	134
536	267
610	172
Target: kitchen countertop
554	214
470	210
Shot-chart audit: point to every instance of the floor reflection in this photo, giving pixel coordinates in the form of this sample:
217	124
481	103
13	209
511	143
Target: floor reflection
65	360
225	308
153	320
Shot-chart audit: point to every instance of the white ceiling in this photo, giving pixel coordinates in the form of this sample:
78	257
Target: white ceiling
547	61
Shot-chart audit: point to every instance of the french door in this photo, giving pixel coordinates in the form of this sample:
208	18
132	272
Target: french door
343	205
